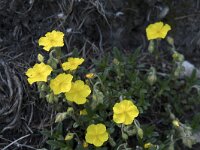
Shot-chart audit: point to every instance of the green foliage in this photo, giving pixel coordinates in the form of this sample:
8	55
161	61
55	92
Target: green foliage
152	81
125	76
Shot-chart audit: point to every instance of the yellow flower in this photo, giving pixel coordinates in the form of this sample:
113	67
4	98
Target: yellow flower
148	145
78	92
62	83
72	63
83	112
157	30
96	134
39	72
52	39
89	75
125	112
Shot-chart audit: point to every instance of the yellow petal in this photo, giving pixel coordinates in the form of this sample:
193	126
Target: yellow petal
101	128
89	138
47	48
158	26
103	137
165	30
78	92
31	80
42	41
80	100
128	120
85	91
29	72
134	112
61	84
119	118
97	142
91	130
118	108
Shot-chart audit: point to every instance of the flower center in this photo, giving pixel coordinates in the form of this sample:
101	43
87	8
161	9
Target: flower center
52	41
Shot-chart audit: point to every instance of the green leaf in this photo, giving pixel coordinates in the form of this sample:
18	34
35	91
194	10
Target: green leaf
46	133
56	144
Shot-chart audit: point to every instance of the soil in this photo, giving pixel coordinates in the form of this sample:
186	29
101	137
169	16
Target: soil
91	26
185	18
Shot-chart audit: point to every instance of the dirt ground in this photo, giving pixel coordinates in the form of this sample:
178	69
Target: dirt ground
91	26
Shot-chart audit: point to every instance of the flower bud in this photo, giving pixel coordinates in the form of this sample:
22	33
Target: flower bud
176	123
51	98
115	61
69	136
124	136
39	85
40	58
75	125
152	78
97	97
132	132
148	145
53	62
60	117
83	112
70	110
172	116
85	144
112	142
151	46
178	57
89	75
170	40
178	70
140	132
44	87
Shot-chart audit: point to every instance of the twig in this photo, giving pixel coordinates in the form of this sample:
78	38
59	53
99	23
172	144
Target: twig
15	141
186	16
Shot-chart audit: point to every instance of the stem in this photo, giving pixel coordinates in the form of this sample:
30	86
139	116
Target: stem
101	83
58	53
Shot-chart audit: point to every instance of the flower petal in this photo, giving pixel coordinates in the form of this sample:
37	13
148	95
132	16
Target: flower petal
103	137
78	92
119	118
39	72
61	84
97	142
165	30
89	138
